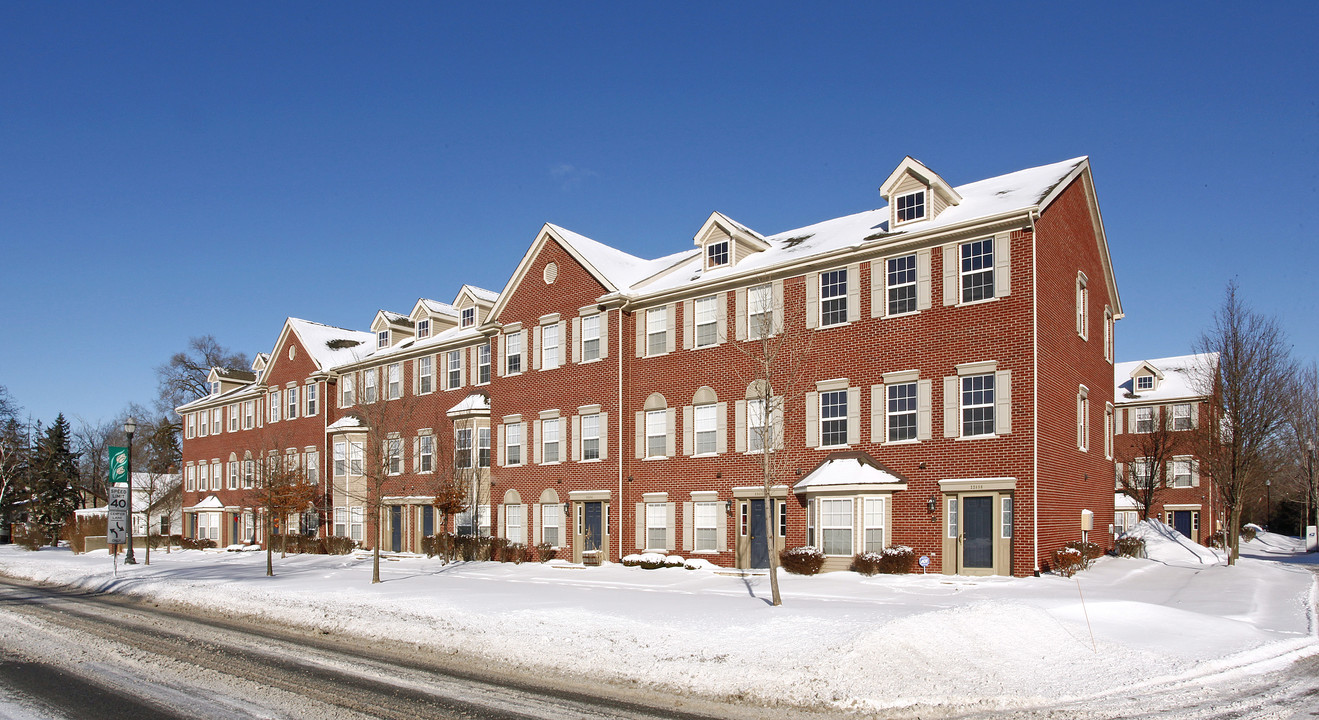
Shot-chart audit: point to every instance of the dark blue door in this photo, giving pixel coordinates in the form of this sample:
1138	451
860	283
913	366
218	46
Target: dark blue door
428	520
592	531
1181	520
396	527
978	532
756	534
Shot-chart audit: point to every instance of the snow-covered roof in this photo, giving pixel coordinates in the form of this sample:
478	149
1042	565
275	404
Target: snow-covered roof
620	268
331	346
347	422
848	469
474	403
1020	190
438	308
234	374
1183	378
210	502
482	294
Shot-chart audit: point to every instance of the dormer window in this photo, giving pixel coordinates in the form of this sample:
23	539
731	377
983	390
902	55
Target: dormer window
215	387
911	206
468	317
423	329
716	254
1145	382
382	339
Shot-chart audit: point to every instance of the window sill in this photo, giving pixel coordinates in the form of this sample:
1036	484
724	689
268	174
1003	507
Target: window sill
655	457
990	436
655	355
662	551
592	360
832	447
706	552
591	460
705	455
978	302
890	443
835	325
900	315
552	462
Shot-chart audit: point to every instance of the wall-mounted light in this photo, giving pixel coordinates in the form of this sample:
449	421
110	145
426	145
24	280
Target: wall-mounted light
728	507
567	509
922	465
931	504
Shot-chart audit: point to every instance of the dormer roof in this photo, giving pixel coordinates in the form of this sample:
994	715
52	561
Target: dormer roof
915	168
1183	377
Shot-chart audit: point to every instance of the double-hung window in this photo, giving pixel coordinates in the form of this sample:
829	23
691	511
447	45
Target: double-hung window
311	400
513	353
549	440
340	459
590	338
192	425
657	530
233	418
656	433
591	436
216	421
977	270
463	447
455	368
911	206
836	525
873	511
901	417
312	464
1083	420
394	381
423	329
483	364
551	520
513	444
1082	307
833	297
1181	417
901	284
706	430
707	326
272	404
514	516
657	325
549	347
291	402
347	391
1181	473
1145	420
833	418
977	405
355	516
1145	382
382	339
758	425
426	453
369	386
425	374
249	474
483	447
249	414
394	456
706	525
760	311
355	458
341	522
468	318
233	474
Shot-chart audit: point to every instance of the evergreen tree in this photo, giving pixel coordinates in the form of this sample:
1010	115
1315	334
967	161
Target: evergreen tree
54	481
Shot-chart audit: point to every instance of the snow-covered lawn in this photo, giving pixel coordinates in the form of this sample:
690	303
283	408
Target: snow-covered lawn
840	639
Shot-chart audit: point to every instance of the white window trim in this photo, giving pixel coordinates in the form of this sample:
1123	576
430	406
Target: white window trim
925	207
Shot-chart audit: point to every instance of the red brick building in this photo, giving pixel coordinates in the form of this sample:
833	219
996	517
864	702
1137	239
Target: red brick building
1170	391
937	364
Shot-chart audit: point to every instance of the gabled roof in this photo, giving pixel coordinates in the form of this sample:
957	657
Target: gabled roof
391	318
474	404
329	346
846	470
733	228
426	306
233	375
914	167
1184	377
480	295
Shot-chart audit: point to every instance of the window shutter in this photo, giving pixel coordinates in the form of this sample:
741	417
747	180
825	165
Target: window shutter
576	340
576	438
877	413
951	426
1002	266
688	446
776	420
641	434
924	389
1195	473
923	280
812	419
416	454
741	310
563	342
721	427
563	438
535	524
1131	420
1119	419
670	435
641	525
687	529
878	284
604	334
950	274
853	292
776	298
721	533
671	327
740	426
721	318
533	435
462	368
604	436
639	318
503	520
501	366
812	300
1118	479
535	346
670	527
688	324
1195	415
499	451
853	416
1003	402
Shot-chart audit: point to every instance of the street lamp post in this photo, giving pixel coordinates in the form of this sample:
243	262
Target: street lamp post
129	428
1268	502
1310	505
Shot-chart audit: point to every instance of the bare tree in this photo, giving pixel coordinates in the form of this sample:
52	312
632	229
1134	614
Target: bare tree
452	486
1249	388
1303	437
183	378
93	440
281	489
1146	471
383	419
160	460
9	409
15	450
775	369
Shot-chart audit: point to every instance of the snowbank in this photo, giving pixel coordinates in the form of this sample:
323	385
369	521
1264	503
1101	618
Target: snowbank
1166	545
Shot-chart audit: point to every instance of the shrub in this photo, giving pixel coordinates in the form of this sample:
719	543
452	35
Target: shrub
545	552
28	537
497	546
1130	547
1248	532
194	544
1218	540
1068	561
338	545
652	561
897	560
155	541
805	560
866	563
1088	550
471	548
514	553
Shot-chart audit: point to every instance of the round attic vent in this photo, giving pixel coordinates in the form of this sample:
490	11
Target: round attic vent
293	351
551	273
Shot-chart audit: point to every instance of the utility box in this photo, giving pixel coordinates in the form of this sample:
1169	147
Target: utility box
1087	520
1310	538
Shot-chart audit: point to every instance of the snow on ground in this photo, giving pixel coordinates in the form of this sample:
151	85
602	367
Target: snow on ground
840	639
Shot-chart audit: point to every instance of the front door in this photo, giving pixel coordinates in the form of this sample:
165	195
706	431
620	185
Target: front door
756	535
1181	520
396	527
592	530
978	532
428	521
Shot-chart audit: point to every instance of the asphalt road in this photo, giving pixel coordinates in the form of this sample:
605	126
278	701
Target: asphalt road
73	654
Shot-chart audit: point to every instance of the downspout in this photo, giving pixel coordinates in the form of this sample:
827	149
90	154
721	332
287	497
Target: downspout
1035	394
618	514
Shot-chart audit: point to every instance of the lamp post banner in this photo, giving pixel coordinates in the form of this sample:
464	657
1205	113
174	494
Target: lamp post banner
118	465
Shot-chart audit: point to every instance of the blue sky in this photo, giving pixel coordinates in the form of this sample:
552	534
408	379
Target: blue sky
177	169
